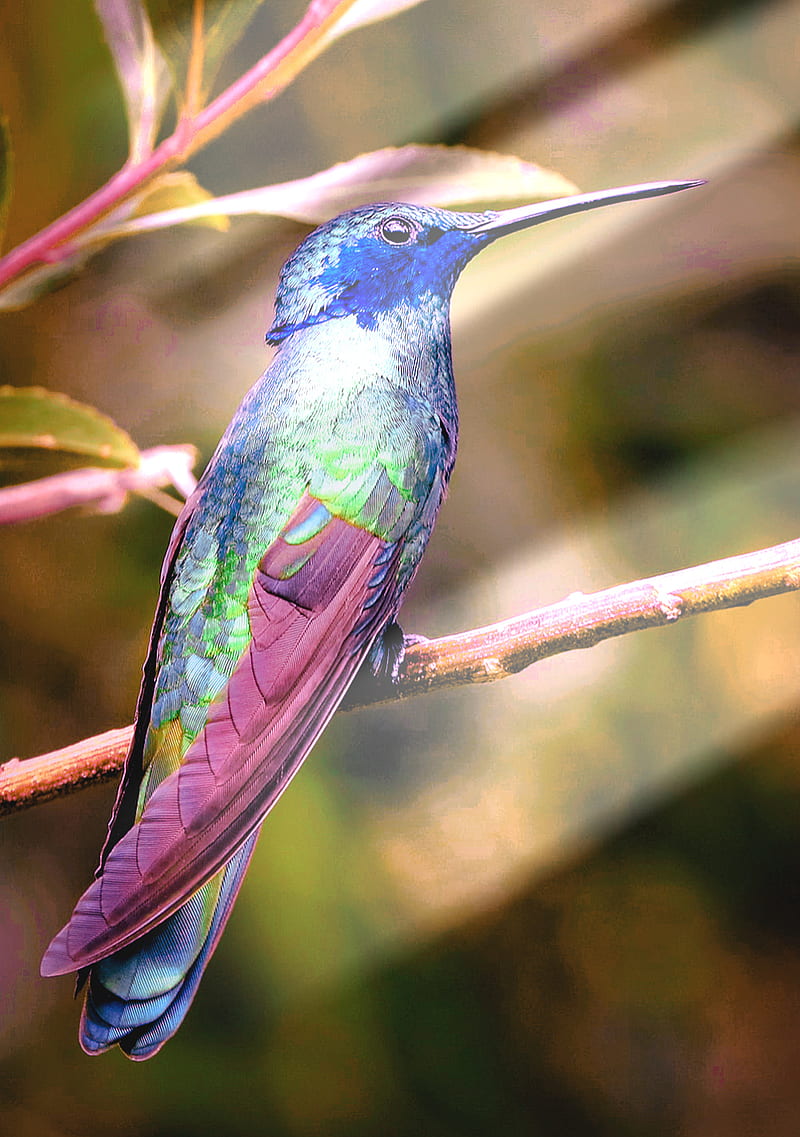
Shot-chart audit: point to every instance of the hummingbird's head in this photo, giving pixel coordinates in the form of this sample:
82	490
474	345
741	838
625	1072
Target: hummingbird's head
371	259
382	257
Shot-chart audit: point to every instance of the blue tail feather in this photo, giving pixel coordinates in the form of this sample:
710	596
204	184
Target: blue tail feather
138	997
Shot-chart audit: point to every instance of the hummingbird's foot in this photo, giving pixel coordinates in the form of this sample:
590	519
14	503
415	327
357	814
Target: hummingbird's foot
386	654
380	671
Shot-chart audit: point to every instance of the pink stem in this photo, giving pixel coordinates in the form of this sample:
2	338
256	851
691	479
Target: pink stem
187	136
105	489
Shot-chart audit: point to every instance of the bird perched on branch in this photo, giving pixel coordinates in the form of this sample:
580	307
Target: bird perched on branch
282	579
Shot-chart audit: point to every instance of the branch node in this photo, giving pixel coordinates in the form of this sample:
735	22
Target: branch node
490	669
670	605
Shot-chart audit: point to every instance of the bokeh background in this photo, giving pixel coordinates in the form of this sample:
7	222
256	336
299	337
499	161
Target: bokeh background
566	903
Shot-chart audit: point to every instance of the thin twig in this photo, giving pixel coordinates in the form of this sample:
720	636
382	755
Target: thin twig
103	489
478	656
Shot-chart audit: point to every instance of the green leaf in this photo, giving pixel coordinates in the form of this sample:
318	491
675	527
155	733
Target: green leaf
422	175
32	418
6	173
224	24
141	68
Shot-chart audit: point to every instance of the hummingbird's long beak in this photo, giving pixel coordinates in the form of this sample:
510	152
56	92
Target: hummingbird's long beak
508	220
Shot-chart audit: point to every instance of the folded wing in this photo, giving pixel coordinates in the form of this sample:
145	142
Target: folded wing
282	693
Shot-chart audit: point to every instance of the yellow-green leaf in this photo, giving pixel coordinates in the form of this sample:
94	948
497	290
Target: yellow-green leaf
168	194
32	418
178	190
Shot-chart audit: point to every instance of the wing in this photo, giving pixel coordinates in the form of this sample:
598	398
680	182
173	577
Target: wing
318	598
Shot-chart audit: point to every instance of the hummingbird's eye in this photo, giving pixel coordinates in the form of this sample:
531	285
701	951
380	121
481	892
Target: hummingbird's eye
397	231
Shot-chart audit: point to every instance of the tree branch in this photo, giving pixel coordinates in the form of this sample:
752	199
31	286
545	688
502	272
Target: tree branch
478	656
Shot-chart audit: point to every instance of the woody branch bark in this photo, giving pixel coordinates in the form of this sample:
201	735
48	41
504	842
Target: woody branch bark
479	656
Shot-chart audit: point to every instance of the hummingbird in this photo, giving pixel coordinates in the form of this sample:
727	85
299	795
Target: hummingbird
282	581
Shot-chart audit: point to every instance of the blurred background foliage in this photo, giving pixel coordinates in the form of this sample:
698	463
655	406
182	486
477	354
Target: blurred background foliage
567	903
